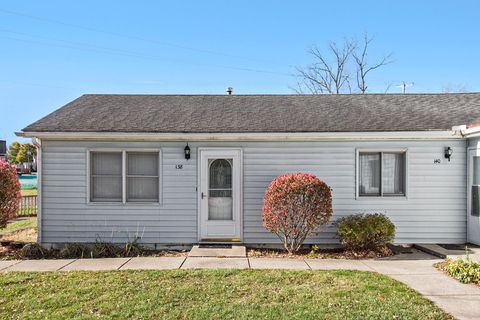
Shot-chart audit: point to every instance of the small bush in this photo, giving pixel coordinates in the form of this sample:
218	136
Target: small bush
9	192
102	249
294	206
464	270
133	249
365	231
76	250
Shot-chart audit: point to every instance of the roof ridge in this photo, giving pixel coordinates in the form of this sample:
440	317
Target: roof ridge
280	94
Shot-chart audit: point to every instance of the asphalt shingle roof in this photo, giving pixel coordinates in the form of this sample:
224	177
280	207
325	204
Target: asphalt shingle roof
262	113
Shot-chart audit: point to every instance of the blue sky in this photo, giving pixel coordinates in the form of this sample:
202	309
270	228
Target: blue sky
54	51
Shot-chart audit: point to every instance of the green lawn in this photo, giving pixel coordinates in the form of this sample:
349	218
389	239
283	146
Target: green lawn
210	294
19	224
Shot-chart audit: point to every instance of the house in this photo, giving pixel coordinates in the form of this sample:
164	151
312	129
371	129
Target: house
3	150
183	169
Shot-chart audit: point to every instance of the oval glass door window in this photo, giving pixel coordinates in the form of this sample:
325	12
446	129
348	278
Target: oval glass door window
220	200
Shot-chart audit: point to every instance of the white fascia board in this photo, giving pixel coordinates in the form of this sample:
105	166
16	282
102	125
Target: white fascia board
269	136
472	132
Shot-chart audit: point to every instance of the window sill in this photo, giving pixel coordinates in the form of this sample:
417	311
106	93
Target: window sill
377	198
128	204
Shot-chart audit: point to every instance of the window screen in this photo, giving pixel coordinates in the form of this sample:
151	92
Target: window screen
382	174
370	174
393	173
142	177
106	177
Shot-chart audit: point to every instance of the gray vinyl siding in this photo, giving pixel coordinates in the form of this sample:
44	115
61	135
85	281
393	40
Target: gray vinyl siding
474	143
433	211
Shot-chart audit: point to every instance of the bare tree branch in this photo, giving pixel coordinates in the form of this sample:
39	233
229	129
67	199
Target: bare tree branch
388	86
363	67
451	88
330	72
325	76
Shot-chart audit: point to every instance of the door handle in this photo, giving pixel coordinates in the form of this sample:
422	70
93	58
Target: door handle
203	195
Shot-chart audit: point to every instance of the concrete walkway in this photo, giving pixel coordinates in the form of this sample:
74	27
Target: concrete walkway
416	271
460	251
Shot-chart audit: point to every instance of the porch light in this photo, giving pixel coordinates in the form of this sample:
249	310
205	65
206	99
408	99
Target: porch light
448	153
187	152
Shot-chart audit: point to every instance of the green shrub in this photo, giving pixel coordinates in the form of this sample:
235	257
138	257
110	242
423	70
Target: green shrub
464	270
365	231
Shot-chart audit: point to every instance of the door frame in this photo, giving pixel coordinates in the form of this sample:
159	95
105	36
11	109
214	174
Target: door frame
239	193
471	152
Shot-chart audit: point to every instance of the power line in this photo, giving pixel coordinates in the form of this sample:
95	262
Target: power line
119	52
36	84
137	38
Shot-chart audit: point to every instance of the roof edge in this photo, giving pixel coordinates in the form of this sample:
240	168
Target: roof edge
266	136
473	132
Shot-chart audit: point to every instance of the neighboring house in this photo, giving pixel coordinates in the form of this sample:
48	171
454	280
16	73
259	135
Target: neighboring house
182	169
3	150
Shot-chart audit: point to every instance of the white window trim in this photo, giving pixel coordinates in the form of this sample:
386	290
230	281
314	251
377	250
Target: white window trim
124	152
357	174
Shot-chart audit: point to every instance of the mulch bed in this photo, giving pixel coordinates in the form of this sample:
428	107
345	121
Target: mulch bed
320	254
12	250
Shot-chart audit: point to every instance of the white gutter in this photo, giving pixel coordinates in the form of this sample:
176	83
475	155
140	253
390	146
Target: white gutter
269	136
38	143
471	132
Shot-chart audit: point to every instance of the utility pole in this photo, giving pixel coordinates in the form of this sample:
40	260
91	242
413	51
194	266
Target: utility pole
404	85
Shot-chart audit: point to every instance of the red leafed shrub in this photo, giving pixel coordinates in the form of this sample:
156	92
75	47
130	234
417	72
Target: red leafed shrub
294	205
9	192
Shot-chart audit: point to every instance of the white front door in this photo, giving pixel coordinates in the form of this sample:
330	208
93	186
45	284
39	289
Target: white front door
220	194
473	204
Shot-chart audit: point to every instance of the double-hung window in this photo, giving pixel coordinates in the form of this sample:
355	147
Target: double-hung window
106	177
142	177
125	176
381	173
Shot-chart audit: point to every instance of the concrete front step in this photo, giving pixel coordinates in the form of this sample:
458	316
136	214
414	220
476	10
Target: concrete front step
473	252
215	263
218	252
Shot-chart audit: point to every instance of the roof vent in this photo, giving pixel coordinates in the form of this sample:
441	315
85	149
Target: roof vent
229	91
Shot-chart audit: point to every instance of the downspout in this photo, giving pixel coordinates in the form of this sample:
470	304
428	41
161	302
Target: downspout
38	143
466	133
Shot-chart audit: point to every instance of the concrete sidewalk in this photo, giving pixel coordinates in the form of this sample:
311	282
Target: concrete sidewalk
460	300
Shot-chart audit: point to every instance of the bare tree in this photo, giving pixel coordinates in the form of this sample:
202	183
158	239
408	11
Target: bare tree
331	71
360	55
328	73
454	88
